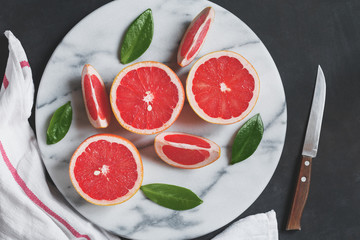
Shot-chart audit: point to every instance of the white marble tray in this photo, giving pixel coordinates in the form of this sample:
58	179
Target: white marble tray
227	190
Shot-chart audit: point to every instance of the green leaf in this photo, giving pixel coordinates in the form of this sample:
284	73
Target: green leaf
171	196
137	38
59	124
247	139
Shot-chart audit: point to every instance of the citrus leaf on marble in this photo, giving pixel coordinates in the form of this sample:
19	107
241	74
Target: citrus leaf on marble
247	139
171	196
59	124
137	37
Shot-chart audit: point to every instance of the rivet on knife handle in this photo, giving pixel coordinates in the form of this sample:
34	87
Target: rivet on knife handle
301	194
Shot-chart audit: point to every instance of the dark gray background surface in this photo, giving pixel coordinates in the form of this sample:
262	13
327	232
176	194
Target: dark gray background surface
299	35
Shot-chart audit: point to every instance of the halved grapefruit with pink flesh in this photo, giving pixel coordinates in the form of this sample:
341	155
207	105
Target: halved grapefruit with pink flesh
184	150
106	169
96	99
194	36
222	87
147	97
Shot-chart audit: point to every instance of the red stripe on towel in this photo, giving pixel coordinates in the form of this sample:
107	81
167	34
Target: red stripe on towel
5	82
34	198
24	64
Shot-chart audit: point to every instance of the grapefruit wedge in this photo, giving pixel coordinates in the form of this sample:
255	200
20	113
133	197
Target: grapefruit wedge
147	97
184	150
194	36
106	169
96	99
222	87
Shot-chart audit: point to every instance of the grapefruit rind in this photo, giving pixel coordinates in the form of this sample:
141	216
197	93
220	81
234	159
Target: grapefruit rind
96	123
181	59
159	142
115	139
191	97
174	78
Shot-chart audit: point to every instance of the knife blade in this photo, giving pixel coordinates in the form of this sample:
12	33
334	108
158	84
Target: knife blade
309	152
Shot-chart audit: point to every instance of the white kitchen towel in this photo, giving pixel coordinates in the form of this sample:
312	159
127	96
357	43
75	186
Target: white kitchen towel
30	206
262	226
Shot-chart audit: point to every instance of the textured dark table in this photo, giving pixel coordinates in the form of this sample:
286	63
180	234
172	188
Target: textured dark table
299	35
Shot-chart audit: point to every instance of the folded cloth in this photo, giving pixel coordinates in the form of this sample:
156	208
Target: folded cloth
31	207
262	226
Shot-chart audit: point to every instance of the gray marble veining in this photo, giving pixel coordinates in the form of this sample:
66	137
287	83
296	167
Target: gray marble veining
227	190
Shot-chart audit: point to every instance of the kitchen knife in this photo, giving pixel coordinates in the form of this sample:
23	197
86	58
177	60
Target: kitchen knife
309	152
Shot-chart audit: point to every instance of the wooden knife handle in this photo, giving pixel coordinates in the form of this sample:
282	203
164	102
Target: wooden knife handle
301	194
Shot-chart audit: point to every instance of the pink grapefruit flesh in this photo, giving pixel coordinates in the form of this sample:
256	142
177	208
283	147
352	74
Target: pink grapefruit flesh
222	87
194	36
106	169
184	150
96	99
147	97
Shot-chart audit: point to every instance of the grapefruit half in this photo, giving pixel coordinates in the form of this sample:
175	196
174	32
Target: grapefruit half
96	99
106	169
222	87
184	150
194	36
147	97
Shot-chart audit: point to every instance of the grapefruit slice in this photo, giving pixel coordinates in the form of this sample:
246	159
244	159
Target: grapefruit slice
96	99
222	87
184	150
106	169
147	97
194	36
